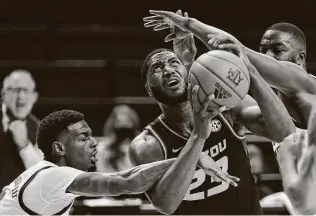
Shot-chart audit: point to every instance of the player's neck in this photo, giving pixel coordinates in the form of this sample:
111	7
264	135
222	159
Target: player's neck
60	162
178	117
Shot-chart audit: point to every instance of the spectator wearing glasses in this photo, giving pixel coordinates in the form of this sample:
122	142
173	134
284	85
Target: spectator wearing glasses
18	150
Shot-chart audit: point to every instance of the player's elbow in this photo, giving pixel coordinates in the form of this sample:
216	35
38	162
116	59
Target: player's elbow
163	207
164	204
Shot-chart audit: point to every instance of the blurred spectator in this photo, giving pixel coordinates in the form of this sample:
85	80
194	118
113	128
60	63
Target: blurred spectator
18	150
119	130
258	166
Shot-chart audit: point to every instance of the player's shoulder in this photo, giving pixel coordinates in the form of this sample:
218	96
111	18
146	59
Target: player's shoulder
145	148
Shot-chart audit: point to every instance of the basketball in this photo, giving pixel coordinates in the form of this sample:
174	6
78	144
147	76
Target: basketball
222	73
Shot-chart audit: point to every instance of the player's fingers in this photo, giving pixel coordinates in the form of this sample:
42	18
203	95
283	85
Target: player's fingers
216	43
228	46
207	102
159	12
153	23
186	14
231	182
160	27
170	37
152	18
179	12
218	111
189	91
211	41
234	178
195	101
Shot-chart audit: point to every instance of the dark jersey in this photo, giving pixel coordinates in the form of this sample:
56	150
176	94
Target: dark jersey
205	196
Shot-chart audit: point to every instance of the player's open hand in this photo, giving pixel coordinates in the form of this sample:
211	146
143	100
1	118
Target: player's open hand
210	167
164	19
183	43
176	32
202	117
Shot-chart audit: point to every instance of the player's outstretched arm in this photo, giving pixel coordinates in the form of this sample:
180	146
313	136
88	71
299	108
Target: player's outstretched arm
132	181
270	118
286	76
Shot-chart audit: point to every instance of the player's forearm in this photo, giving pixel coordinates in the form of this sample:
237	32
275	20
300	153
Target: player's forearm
169	192
201	30
276	74
136	180
277	120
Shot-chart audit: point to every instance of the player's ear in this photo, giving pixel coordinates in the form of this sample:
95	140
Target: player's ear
300	58
58	148
148	90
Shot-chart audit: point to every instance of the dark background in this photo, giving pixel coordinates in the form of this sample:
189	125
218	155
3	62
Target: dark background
87	55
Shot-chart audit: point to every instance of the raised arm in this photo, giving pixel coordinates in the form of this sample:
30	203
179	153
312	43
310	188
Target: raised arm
286	76
270	118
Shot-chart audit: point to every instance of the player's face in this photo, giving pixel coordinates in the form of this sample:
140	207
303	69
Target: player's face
278	45
82	147
19	95
167	77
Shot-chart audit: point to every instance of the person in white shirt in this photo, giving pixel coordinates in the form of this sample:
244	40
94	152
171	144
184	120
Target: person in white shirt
51	186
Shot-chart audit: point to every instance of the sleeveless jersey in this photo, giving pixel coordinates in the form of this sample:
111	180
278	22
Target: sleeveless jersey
40	190
205	196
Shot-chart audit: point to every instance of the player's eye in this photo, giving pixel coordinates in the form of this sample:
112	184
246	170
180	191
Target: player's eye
157	68
174	62
83	137
277	50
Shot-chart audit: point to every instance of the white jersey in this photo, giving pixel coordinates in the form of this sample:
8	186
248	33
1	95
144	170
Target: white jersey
40	190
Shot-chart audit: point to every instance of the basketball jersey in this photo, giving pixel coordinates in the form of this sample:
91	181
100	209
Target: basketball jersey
40	190
205	196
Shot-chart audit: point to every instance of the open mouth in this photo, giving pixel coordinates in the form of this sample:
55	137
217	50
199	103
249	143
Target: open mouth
172	82
20	105
94	157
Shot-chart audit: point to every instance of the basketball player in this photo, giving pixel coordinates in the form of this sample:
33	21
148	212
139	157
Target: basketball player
51	186
185	189
285	69
286	43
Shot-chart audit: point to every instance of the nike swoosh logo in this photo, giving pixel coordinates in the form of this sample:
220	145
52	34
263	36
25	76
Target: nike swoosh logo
176	150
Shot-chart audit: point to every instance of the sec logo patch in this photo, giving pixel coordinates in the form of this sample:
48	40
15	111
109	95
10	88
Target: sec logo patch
216	125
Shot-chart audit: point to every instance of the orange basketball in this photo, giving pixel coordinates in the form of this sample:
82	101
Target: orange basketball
222	73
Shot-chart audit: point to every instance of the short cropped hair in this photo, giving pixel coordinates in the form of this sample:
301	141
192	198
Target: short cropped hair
52	126
144	69
289	28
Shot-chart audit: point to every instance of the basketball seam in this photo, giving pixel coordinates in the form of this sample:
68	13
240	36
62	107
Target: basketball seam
232	63
221	80
203	91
